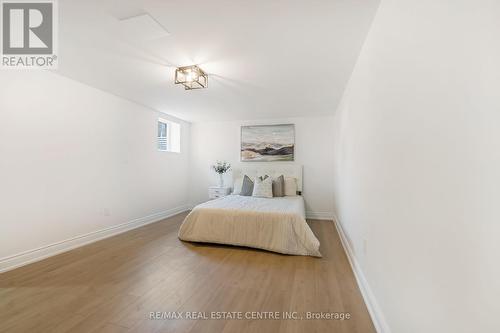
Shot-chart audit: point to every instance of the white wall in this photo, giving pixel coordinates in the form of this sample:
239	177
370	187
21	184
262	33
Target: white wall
212	141
75	160
417	164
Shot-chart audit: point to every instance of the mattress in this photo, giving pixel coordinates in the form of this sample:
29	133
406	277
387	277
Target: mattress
273	224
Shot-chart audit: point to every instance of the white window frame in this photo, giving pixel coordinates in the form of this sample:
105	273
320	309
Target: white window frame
173	143
158	137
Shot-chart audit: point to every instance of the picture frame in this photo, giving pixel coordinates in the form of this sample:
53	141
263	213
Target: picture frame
267	143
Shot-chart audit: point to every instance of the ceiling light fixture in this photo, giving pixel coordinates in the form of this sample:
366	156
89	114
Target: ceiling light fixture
191	77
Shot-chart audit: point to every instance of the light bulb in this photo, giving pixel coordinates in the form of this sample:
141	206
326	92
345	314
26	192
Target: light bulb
191	76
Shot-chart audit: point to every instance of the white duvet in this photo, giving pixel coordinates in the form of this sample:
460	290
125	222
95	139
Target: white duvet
274	224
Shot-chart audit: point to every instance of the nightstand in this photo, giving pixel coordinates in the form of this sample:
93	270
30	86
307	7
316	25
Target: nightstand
215	192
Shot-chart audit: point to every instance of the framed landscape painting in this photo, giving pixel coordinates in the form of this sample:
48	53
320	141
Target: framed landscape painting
267	143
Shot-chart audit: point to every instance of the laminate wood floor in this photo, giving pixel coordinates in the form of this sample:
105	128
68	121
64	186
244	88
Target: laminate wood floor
113	285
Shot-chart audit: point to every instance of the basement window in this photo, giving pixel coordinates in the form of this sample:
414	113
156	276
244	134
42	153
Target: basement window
169	136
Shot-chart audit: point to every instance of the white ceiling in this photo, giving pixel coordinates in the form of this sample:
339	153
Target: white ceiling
265	58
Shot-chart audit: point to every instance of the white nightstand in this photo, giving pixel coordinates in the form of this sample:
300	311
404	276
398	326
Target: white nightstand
215	192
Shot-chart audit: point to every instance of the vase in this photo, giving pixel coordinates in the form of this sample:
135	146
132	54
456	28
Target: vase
221	180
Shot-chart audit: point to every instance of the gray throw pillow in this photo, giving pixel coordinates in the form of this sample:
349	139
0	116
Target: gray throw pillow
247	187
279	187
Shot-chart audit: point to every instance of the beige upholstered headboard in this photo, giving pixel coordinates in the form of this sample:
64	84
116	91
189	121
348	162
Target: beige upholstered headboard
272	169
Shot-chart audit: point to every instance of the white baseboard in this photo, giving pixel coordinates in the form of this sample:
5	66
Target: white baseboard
28	257
374	309
320	215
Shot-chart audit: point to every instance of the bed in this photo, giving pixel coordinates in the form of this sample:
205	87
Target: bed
275	224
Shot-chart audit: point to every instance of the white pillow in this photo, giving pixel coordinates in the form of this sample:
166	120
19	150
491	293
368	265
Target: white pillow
290	186
263	188
237	185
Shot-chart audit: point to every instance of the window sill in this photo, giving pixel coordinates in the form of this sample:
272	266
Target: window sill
169	151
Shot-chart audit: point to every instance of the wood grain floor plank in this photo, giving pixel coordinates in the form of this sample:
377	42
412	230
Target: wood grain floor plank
113	285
